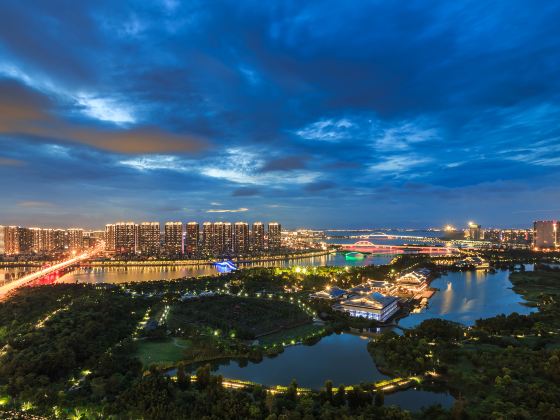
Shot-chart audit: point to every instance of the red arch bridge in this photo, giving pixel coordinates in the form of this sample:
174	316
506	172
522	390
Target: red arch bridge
371	248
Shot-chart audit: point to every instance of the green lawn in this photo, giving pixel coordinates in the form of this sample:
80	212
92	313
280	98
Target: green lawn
245	317
296	333
167	351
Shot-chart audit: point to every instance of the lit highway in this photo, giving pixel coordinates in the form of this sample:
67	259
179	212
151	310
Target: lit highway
7	288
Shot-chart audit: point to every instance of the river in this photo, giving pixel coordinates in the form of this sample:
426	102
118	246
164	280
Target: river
138	274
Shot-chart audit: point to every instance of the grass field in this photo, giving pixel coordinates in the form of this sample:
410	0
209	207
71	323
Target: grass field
167	351
285	336
533	285
244	317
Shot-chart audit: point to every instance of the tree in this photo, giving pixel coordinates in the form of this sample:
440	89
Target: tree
291	393
183	379
340	396
379	398
203	376
329	390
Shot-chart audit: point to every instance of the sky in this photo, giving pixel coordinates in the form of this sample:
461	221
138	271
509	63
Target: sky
314	114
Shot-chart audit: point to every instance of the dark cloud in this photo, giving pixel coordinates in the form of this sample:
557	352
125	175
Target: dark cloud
24	112
246	192
319	186
287	163
418	107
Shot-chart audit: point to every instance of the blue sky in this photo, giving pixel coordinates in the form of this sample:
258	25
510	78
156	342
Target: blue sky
323	114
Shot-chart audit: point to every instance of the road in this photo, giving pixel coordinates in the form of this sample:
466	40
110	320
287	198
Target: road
7	288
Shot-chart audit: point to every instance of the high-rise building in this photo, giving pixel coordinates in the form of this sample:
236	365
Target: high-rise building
493	235
546	234
228	238
2	243
274	236
110	237
59	240
126	237
93	238
218	238
11	239
149	238
257	237
240	238
75	240
475	232
207	238
18	240
174	238
36	240
47	239
192	237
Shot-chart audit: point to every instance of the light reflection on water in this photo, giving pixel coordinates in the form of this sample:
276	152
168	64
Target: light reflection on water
133	274
467	296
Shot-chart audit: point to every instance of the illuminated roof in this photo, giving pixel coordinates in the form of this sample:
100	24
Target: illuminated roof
373	301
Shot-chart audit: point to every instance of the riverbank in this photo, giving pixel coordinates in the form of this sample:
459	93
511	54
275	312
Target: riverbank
181	263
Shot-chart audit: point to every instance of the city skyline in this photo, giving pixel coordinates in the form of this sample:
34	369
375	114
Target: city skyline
383	114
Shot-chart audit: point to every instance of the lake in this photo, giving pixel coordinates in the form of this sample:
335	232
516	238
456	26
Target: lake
341	358
467	296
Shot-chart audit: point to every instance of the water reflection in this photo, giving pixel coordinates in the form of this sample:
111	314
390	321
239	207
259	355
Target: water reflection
467	296
416	399
343	358
133	274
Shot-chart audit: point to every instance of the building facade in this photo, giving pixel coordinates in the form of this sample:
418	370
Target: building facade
125	237
149	238
274	236
240	238
75	240
192	238
374	306
257	237
207	238
174	238
546	234
18	240
475	232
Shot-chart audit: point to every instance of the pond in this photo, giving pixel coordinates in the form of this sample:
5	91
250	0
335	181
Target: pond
341	358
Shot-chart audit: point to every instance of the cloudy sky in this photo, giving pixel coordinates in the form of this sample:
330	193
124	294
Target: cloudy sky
329	114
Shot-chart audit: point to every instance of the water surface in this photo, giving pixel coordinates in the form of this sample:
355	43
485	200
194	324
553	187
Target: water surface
342	358
133	274
467	296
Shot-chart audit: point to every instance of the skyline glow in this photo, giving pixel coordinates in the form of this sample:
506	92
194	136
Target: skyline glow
371	114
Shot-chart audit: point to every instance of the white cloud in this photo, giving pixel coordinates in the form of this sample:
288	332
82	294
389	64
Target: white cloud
403	135
239	210
105	109
236	165
329	130
242	167
250	75
94	106
399	164
155	162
